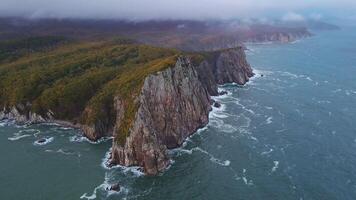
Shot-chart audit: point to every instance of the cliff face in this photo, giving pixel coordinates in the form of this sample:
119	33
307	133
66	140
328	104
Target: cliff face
227	66
283	37
174	104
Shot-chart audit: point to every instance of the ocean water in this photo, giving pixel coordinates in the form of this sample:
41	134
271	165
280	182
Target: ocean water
290	134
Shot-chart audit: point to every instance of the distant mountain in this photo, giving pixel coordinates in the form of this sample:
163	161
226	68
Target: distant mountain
310	24
181	34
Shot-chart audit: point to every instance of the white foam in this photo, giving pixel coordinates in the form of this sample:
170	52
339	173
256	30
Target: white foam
269	120
254	138
337	90
135	170
3	123
324	102
104	188
244	178
281	130
47	140
24	133
269	108
244	108
179	151
275	167
350	92
224	163
18	137
81	138
267	152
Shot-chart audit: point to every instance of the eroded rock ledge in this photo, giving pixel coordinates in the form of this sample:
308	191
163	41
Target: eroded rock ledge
172	105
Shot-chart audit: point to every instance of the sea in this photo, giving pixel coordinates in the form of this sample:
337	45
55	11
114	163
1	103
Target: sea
290	133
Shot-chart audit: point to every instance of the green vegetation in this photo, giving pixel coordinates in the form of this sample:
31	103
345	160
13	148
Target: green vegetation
11	50
79	81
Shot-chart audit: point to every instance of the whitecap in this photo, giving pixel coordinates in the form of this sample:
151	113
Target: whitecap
24	133
267	152
253	138
281	130
17	137
244	178
275	166
269	120
244	108
324	102
224	163
337	90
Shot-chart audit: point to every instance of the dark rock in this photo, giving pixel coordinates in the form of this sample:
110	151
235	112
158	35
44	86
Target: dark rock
114	187
42	140
223	92
217	105
212	101
261	75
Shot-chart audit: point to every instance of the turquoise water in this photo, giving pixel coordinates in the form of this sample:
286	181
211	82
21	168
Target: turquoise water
287	135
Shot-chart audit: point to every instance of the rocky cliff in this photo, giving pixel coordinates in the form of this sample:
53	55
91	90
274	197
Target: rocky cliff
282	37
147	118
175	103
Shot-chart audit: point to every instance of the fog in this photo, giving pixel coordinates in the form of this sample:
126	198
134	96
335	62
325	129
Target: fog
177	9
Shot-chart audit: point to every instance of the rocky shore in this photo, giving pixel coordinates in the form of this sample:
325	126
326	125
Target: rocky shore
172	105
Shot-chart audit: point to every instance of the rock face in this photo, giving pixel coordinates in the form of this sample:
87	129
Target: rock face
226	66
174	104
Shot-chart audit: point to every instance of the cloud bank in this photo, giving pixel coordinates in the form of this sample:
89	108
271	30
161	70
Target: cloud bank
167	9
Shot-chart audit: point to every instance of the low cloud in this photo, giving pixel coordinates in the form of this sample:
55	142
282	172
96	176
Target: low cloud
291	16
168	9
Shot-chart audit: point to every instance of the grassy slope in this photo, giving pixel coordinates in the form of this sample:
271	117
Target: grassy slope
78	81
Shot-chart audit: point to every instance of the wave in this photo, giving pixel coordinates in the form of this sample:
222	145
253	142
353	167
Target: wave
135	170
224	163
103	188
24	133
81	138
244	178
3	123
269	120
18	137
275	166
61	151
267	152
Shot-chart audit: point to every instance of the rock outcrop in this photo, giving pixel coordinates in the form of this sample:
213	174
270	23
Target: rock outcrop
175	103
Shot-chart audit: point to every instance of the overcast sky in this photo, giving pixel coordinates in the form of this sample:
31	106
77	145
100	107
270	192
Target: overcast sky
175	9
